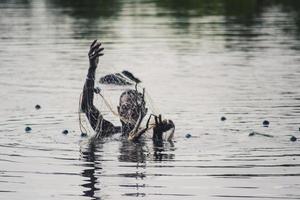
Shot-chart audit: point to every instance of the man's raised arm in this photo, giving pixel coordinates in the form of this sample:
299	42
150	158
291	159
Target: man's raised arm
87	104
95	118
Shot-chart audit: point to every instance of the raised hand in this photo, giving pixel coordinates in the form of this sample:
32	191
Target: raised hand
161	126
94	53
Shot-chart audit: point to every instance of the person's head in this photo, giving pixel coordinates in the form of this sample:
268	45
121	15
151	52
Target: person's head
129	107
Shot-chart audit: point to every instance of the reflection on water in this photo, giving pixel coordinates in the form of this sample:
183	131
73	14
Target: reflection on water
132	152
91	9
129	152
91	167
89	17
199	59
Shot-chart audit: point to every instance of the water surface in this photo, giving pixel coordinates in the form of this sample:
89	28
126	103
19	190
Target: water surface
199	59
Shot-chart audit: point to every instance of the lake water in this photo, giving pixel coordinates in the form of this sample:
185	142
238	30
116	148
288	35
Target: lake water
199	59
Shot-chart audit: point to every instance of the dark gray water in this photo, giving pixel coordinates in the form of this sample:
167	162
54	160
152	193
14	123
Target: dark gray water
200	60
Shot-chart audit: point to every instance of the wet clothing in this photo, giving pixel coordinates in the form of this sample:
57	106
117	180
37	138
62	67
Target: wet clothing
98	123
103	127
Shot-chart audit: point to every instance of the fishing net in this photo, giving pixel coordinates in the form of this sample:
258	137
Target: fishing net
107	96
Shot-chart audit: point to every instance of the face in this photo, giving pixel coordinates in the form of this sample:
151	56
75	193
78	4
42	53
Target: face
128	108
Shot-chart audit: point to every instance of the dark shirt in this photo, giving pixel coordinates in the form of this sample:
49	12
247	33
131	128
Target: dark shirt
101	126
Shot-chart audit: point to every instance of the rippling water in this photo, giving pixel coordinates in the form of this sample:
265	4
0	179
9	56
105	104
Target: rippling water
199	60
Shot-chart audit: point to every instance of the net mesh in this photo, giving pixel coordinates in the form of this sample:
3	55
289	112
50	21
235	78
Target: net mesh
107	99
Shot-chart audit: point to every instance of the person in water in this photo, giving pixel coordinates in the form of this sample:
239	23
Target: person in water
132	107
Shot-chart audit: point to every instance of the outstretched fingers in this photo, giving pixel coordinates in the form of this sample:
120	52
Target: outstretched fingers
94	48
99	50
93	43
170	124
96	51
